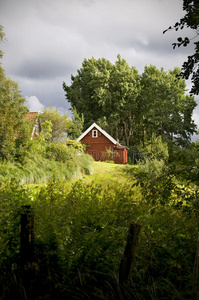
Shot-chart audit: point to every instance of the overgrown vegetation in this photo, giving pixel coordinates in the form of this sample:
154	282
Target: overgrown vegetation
44	162
81	228
109	155
80	235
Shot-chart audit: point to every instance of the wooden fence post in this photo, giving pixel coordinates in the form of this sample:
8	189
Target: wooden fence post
27	237
128	260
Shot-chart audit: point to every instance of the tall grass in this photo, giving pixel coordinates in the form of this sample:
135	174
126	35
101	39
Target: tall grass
80	236
38	167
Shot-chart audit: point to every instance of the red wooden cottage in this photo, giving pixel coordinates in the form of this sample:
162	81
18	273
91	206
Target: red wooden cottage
97	141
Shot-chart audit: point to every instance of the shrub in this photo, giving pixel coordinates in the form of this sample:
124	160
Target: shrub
151	168
58	152
75	145
155	149
80	235
43	162
109	154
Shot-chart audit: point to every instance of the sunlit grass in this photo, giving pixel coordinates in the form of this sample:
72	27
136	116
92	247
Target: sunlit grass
108	172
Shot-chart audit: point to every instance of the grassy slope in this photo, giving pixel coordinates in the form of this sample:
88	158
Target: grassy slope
107	172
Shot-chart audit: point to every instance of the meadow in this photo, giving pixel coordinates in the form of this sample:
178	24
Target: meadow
80	234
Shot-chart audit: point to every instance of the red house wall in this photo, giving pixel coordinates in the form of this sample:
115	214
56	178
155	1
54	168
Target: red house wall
96	145
122	158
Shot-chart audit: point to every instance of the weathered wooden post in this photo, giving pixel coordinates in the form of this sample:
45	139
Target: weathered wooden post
27	237
128	260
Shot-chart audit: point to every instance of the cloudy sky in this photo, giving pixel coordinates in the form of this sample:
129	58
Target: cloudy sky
47	41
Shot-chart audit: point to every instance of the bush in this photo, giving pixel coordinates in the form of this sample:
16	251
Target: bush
58	152
44	162
76	145
109	155
155	149
151	169
80	236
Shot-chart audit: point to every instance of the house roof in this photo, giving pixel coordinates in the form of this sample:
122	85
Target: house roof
31	116
94	125
120	147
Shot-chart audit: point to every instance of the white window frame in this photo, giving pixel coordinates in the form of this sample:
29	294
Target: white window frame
94	133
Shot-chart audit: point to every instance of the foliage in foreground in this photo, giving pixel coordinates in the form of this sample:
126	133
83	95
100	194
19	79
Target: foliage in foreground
190	20
80	235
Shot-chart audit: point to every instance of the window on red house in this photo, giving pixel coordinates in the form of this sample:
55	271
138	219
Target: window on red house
94	134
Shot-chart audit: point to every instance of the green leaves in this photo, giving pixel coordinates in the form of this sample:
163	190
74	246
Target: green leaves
2	38
80	235
132	107
103	91
190	20
181	42
12	117
60	124
14	129
76	126
166	111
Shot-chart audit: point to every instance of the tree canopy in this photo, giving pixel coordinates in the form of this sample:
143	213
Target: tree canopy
77	125
190	68
62	127
132	107
14	129
61	123
2	38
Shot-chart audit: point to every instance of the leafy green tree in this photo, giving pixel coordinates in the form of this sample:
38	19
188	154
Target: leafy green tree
77	125
132	107
105	92
60	123
124	90
155	149
190	20
46	130
14	131
165	110
2	38
88	90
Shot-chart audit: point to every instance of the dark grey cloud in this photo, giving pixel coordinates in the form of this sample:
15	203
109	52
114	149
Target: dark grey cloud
41	69
48	92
